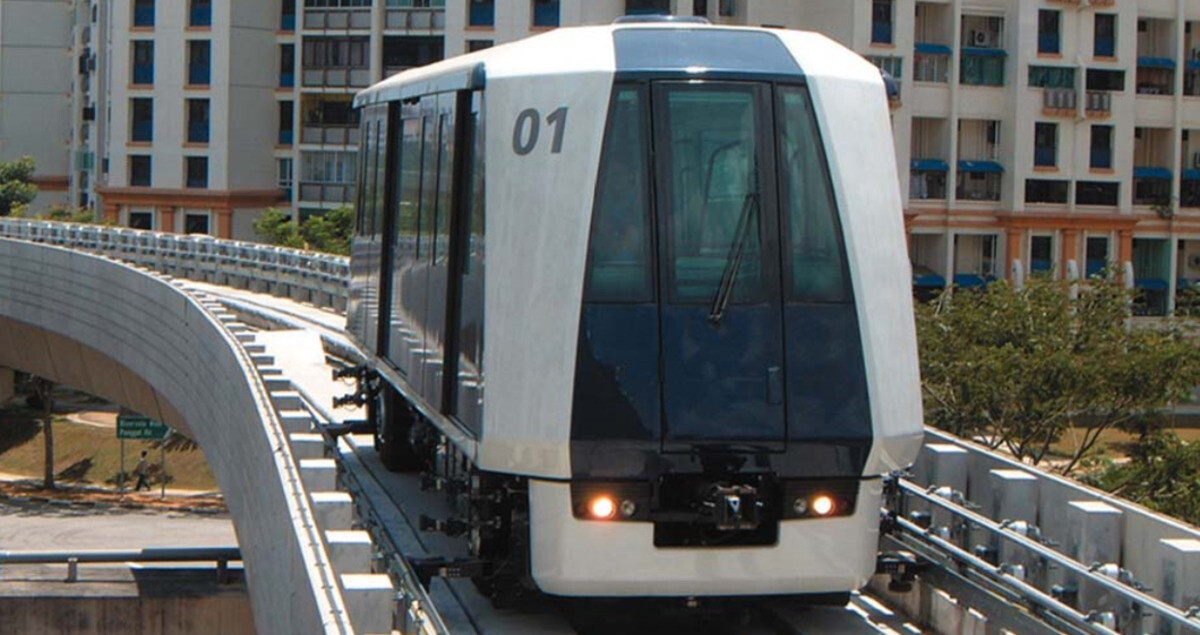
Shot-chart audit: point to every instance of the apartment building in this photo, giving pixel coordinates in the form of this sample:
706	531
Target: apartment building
35	91
1059	137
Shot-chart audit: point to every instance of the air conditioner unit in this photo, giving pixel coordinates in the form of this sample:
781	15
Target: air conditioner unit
979	38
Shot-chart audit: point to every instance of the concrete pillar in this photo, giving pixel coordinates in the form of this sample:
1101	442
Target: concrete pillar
333	510
1014	498
370	600
8	387
1070	249
295	421
267	371
112	213
349	550
1094	536
1012	252
168	219
307	445
275	383
943	464
1181	577
224	223
319	475
287	400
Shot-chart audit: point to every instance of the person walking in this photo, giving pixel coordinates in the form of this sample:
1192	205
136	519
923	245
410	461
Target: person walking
143	474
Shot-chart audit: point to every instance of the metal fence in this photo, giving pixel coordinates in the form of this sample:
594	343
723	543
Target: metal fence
320	279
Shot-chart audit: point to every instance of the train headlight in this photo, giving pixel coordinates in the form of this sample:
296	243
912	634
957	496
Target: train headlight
628	508
602	507
823	505
800	506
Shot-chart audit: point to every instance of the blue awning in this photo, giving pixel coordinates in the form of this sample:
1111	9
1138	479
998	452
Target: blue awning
1193	64
930	165
971	280
1153	284
1156	62
927	48
929	281
980	166
1191	175
1151	173
975	50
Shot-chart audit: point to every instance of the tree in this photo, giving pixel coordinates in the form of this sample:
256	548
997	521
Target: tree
276	227
1019	368
1163	473
43	391
329	232
16	187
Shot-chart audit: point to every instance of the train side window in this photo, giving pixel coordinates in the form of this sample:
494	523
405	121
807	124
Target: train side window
818	264
469	392
619	265
429	175
361	193
409	214
378	191
368	197
444	189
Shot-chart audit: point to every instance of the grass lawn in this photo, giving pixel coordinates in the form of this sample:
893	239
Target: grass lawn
1113	444
87	454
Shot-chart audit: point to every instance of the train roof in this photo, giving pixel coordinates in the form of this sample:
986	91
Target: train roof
679	46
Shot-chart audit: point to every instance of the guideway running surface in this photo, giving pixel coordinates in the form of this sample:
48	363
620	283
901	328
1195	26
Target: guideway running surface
399	498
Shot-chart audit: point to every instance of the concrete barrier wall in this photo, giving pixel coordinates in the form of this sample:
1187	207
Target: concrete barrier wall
136	338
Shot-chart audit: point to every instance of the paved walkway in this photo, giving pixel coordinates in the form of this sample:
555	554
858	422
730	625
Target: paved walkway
30	526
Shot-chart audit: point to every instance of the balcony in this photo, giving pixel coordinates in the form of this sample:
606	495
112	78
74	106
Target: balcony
197	132
979	180
881	33
330	135
415	19
311	192
287	80
982	66
1098	103
287	22
199	74
286	137
143	74
931	62
1189	188
200	15
85	161
928	179
337	18
1155	76
1151	186
337	77
1059	101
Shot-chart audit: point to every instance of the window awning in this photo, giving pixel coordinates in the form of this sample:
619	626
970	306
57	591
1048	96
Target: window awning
1191	175
984	52
1153	284
1151	173
932	280
1193	65
971	280
1156	62
928	48
930	165
980	166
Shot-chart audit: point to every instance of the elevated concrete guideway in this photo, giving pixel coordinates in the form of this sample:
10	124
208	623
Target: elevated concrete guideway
138	339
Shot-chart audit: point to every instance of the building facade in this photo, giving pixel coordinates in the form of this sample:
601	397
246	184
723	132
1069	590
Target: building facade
1048	136
35	91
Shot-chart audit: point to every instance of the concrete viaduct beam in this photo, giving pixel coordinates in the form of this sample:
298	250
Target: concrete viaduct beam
137	339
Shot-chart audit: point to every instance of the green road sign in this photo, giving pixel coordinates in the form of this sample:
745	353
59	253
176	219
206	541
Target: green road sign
135	427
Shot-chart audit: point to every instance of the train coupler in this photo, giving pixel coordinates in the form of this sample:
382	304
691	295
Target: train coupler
366	385
429	568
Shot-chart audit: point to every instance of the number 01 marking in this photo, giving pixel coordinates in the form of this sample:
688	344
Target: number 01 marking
527	130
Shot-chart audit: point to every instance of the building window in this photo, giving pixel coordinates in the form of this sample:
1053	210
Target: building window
881	21
287	15
199	62
1101	150
1096	254
1105	80
647	7
479	45
329	167
197	120
545	13
143	62
1096	193
142	119
1051	77
402	52
283	169
141	219
287	65
139	170
1048	31
893	66
1046	191
1041	250
201	13
481	13
323	52
196	223
287	122
1105	34
143	13
197	172
726	8
700	8
1045	145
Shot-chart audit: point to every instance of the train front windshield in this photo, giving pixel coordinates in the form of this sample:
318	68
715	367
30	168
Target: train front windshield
718	310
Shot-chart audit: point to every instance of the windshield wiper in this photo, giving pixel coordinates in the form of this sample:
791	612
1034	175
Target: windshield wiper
733	262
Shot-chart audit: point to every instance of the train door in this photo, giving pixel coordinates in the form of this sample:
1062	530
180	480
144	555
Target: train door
367	244
721	307
435	238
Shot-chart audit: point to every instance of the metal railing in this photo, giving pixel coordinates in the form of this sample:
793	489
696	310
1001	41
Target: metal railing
321	279
222	556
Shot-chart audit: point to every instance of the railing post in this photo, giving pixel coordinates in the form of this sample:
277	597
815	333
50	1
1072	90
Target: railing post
1094	537
1180	578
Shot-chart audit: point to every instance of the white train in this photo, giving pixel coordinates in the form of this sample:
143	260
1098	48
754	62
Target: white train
639	299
